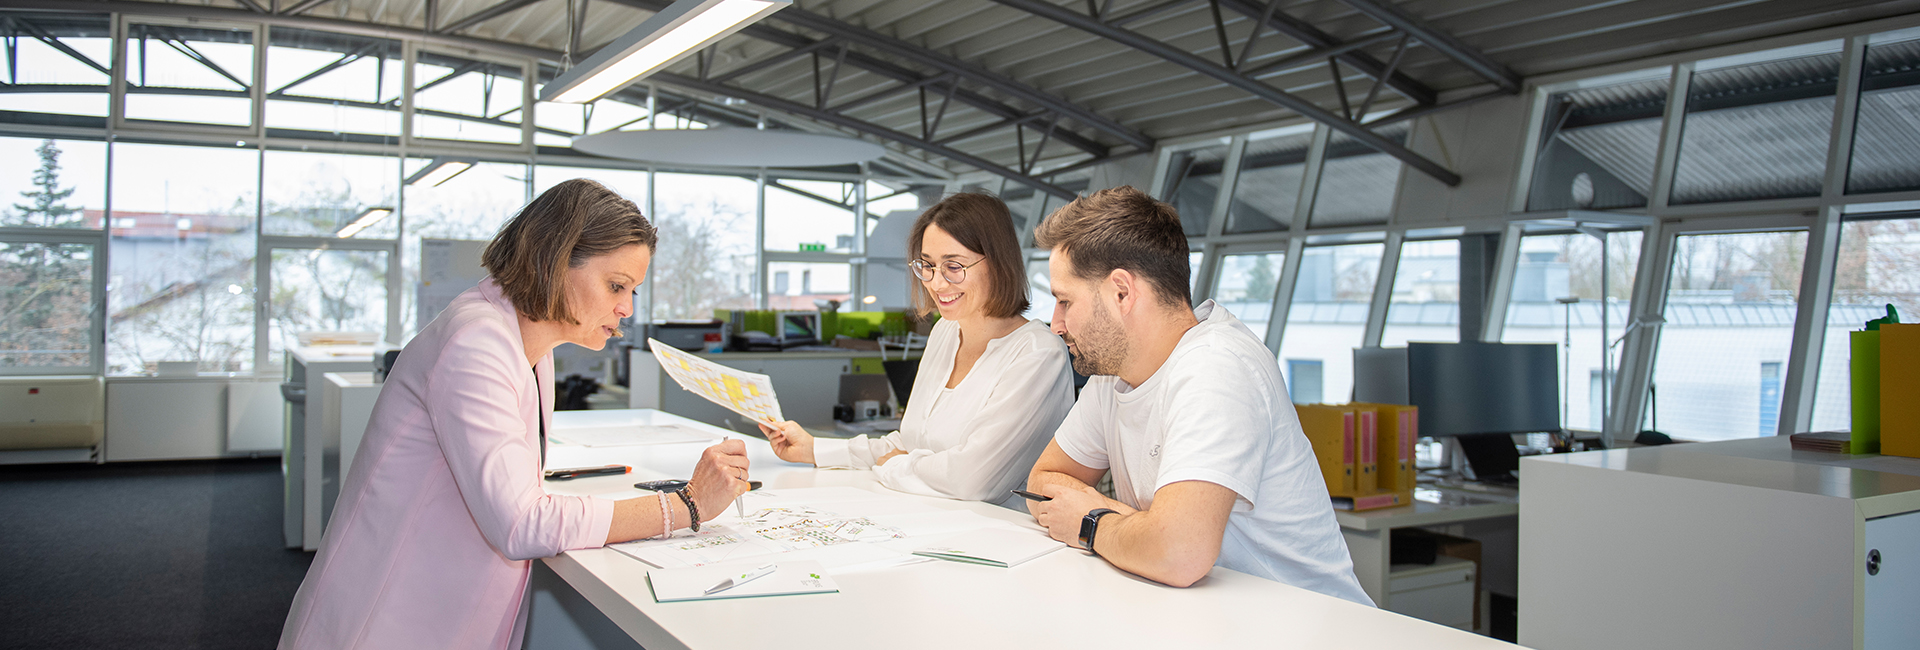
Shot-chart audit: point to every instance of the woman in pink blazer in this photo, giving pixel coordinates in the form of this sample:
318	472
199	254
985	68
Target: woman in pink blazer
443	507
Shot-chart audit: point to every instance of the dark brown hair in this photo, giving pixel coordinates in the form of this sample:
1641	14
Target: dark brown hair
1122	228
981	223
568	224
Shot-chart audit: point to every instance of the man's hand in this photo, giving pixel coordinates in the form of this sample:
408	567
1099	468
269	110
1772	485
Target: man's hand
1070	504
719	477
790	442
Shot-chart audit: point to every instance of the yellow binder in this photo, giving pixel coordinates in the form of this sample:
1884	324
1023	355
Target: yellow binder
1331	431
1900	390
1398	429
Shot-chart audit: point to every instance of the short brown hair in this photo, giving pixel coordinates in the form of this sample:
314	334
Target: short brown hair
564	227
981	223
1122	228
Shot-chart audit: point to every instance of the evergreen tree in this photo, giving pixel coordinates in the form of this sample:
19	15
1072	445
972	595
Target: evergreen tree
46	203
1260	282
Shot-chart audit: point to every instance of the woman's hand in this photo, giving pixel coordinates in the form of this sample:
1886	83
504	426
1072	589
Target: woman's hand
719	478
790	442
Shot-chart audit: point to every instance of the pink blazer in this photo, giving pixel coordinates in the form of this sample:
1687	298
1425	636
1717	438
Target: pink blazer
443	507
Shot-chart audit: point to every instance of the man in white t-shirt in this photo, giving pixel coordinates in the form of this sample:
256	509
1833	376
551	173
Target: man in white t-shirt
1187	409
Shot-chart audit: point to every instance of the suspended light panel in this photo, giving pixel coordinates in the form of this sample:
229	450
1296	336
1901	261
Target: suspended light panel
682	28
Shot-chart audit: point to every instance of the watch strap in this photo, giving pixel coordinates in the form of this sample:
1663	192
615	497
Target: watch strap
1090	527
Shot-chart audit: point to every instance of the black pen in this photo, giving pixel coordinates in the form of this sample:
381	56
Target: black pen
577	472
1031	496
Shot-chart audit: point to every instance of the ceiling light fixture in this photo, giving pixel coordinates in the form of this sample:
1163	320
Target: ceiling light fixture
439	170
364	221
670	35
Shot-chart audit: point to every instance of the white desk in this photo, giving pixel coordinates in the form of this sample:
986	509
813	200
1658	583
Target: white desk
1369	533
600	598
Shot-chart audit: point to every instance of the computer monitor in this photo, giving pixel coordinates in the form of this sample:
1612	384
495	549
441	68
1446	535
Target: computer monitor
799	328
1480	388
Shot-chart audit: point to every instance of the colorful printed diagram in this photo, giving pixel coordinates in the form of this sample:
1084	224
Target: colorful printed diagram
746	393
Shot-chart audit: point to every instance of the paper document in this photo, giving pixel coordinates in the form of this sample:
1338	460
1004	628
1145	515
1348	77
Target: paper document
1001	547
749	394
841	528
632	434
789	578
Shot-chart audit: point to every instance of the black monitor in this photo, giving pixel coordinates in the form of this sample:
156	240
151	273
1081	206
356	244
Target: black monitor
1480	388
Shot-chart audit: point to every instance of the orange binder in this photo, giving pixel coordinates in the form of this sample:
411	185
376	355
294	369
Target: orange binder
1900	389
1331	431
1366	468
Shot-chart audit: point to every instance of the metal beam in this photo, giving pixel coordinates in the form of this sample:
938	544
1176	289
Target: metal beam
1305	32
1234	79
304	6
486	14
975	73
886	69
1440	41
830	117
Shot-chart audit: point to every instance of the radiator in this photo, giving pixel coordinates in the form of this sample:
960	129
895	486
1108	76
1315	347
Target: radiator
57	412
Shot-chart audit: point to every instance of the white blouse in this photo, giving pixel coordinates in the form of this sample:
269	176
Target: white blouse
978	440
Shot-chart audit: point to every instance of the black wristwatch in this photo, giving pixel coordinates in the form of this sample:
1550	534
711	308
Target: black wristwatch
1089	525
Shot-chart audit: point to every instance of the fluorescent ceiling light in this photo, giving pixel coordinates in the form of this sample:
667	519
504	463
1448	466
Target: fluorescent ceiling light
438	171
365	221
670	35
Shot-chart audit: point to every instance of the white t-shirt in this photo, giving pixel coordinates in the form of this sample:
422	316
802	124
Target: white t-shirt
1217	411
978	440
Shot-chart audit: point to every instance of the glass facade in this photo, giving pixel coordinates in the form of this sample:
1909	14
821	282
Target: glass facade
1731	303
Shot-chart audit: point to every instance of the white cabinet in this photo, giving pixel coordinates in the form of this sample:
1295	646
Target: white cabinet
1737	544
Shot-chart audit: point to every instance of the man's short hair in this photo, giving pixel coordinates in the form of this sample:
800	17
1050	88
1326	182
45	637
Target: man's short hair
567	225
1122	228
981	223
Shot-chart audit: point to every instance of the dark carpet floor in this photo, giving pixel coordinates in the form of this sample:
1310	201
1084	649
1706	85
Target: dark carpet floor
144	555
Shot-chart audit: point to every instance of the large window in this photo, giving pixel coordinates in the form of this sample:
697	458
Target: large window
707	258
58	64
1426	294
46	306
1193	184
326	290
333	86
1268	191
1886	143
810	216
1040	290
181	273
52	183
198	74
1731	302
467	99
1554	269
629	184
1245	286
1357	184
1328	318
331	195
1879	265
1757	126
1600	144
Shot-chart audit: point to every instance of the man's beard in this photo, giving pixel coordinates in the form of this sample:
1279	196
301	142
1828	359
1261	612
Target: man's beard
1101	348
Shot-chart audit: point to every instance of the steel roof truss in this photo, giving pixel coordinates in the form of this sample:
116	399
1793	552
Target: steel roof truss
1440	41
1263	91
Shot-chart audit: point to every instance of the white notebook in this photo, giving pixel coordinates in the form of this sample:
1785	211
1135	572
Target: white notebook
691	583
1001	547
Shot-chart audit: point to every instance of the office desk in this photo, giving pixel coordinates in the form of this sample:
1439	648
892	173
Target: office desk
600	598
1369	533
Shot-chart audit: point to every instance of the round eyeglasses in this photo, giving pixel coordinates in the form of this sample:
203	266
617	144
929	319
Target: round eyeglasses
954	272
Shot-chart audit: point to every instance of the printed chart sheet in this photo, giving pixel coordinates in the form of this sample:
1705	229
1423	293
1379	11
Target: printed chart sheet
749	394
840	527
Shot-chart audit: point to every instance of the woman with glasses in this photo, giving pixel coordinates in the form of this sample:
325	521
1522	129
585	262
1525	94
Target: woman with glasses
992	385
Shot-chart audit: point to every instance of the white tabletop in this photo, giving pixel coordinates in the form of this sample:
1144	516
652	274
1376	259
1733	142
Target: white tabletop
1065	598
1435	505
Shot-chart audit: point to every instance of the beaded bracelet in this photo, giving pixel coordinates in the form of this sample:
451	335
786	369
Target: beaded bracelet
693	511
666	516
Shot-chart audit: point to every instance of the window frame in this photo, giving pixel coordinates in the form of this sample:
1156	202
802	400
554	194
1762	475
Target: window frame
97	330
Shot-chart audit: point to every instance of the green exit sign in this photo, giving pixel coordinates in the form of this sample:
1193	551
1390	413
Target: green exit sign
813	248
